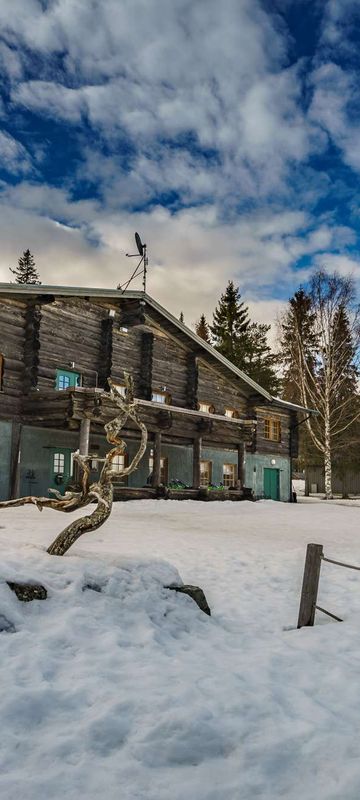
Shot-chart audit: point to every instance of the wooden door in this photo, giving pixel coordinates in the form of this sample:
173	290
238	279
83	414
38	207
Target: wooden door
271	484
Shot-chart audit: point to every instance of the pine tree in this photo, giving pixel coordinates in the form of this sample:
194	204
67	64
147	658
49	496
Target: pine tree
259	362
181	318
26	271
230	323
202	329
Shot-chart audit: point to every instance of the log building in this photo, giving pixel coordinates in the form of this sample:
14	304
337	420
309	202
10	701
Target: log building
209	424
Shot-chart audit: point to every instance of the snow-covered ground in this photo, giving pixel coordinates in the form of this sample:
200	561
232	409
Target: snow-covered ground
134	693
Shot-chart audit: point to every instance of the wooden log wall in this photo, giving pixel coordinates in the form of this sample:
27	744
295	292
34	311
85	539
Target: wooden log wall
126	354
12	338
213	388
192	381
169	368
70	332
106	352
145	378
264	445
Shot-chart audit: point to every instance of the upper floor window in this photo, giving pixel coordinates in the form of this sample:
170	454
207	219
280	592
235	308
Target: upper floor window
1	372
206	408
272	429
121	389
231	413
67	380
205	473
160	397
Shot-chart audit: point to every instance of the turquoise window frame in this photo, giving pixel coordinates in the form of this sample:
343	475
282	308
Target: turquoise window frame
66	379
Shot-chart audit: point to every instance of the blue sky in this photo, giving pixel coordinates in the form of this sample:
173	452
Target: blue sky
227	133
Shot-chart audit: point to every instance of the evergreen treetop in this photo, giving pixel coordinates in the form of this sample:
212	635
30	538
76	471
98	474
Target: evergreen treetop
202	329
230	323
26	271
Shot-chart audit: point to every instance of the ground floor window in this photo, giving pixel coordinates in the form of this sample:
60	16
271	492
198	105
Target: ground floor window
118	464
163	469
205	473
59	463
229	474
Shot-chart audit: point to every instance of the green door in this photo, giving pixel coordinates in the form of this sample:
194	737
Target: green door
60	468
271	484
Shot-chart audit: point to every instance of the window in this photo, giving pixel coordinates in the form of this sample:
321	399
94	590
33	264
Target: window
206	408
205	473
163	468
66	379
121	389
118	463
231	413
229	474
1	372
272	429
160	397
59	463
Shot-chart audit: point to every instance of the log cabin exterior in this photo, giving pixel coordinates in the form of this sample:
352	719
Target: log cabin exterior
208	422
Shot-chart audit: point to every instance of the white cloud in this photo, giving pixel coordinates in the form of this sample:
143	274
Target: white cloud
13	155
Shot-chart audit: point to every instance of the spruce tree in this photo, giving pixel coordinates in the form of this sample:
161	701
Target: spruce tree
26	271
230	324
202	329
259	362
181	318
298	321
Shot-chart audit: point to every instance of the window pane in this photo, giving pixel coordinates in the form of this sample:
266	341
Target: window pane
118	463
59	463
205	473
158	397
229	412
229	474
205	407
121	389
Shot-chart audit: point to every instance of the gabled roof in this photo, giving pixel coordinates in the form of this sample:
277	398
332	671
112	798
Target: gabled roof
116	294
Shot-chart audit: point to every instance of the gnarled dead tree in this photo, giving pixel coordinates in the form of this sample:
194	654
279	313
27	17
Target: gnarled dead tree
100	492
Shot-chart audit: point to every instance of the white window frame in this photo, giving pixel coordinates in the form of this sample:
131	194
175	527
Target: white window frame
229	478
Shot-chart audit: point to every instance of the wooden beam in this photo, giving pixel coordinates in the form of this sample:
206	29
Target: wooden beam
241	463
156	475
15	461
84	437
310	585
196	461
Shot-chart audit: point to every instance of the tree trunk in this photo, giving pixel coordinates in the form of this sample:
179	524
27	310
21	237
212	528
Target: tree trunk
72	532
327	458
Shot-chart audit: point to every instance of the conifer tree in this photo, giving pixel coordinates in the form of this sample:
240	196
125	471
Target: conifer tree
181	318
297	320
26	271
324	353
230	323
202	329
259	362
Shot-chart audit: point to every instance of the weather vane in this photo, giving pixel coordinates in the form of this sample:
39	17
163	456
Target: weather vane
141	266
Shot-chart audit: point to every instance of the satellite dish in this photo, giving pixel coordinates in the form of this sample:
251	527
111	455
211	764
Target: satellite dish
140	246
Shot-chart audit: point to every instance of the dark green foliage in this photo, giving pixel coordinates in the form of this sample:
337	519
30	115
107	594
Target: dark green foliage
297	321
202	329
259	363
230	323
243	342
26	271
181	318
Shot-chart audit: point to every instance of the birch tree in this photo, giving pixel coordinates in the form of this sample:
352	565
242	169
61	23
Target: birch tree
326	362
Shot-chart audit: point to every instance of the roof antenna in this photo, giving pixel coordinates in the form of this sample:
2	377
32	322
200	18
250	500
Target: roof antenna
137	271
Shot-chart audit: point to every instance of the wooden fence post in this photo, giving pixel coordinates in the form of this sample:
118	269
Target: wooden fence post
310	585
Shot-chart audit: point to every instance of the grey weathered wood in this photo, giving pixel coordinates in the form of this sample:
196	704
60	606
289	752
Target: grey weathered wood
241	463
14	460
84	437
310	585
196	461
157	460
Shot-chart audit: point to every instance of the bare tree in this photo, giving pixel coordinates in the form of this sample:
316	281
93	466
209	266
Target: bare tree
327	376
102	491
